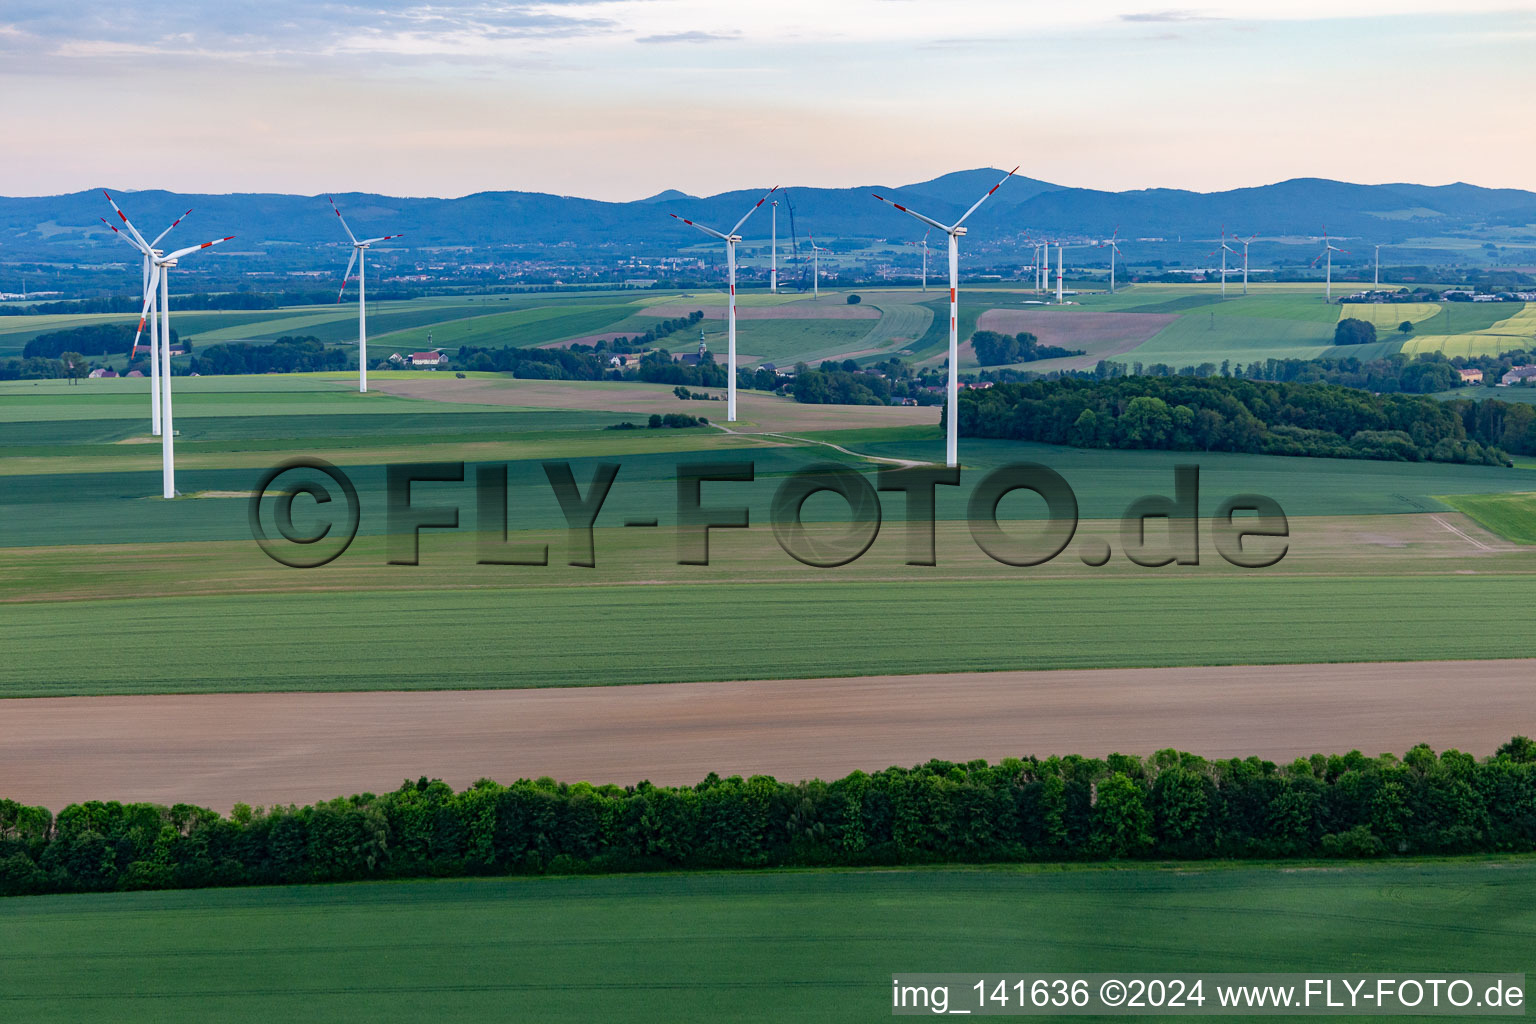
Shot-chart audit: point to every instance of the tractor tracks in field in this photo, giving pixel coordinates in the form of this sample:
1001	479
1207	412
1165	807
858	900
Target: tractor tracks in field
883	459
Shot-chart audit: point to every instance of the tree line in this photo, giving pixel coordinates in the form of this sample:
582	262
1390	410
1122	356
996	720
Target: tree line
1234	415
1168	806
994	349
285	355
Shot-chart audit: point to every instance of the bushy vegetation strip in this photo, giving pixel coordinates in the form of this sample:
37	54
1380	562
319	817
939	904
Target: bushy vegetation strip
1227	414
1170	805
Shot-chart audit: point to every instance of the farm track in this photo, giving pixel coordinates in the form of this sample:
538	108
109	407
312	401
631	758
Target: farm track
215	750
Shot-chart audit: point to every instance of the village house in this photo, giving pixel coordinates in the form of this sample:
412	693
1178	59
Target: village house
1471	376
1518	375
427	360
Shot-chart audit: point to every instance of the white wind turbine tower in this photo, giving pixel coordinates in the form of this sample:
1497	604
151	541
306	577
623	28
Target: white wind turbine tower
773	272
1224	248
1246	242
159	276
1377	283
359	255
816	251
1061	276
923	245
1328	250
730	238
954	231
1114	250
145	248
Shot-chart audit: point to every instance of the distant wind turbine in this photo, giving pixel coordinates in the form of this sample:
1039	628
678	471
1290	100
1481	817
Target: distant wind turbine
1224	248
954	231
1061	276
360	257
1328	250
1114	250
816	251
1245	243
730	238
145	248
773	273
1377	283
159	276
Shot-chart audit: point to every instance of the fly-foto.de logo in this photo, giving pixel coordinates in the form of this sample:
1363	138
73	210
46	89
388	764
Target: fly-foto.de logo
1248	530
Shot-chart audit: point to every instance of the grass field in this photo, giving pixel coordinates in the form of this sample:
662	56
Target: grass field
532	635
812	945
1511	516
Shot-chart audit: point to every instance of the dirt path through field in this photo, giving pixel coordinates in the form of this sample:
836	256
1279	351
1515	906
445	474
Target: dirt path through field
295	747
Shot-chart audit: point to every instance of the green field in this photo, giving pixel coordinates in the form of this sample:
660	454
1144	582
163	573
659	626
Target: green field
1511	516
811	945
519	634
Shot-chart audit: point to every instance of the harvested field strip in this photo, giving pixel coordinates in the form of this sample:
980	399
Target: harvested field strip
216	750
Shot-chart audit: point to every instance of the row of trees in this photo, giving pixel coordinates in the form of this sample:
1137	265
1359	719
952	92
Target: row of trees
641	342
1228	414
91	340
994	349
1171	805
285	355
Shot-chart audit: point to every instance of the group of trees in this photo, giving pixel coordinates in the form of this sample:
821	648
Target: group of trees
1229	414
90	340
1170	805
285	355
1354	331
994	349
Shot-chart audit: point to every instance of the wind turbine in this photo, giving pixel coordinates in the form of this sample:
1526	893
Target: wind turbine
954	231
1060	275
773	273
1224	249
159	276
924	246
1114	250
1377	283
816	251
145	248
359	255
1328	250
1246	242
730	238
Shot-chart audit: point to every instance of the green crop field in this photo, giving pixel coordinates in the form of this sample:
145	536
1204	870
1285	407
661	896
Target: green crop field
810	945
784	342
1511	516
521	634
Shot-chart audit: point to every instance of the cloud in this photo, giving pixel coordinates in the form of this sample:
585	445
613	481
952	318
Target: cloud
291	28
1162	17
691	37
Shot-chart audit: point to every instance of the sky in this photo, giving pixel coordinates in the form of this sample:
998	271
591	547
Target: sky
619	99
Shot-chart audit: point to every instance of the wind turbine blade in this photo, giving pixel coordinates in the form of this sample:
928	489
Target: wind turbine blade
142	248
708	231
179	253
984	198
912	213
168	230
381	238
348	275
124	216
750	212
342	219
149	298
